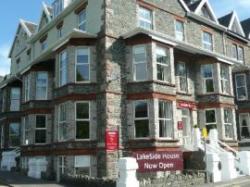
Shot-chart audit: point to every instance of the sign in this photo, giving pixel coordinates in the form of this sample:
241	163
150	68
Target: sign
111	140
180	125
153	161
183	104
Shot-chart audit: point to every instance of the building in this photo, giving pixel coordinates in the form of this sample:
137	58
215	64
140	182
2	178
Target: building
87	69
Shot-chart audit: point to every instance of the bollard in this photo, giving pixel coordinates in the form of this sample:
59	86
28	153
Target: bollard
228	166
213	166
244	165
127	172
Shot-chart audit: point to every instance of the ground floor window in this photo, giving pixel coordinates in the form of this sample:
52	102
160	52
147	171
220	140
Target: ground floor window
14	134
62	165
82	120
228	123
82	165
210	119
244	126
141	119
165	119
40	132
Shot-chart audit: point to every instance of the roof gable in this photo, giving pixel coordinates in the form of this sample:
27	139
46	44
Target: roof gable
45	16
235	25
246	27
204	9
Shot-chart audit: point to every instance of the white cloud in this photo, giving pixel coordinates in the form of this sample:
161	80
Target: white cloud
4	60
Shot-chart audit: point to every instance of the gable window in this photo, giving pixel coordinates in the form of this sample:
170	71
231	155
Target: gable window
57	7
139	63
165	119
179	30
15	99
163	64
182	77
63	63
208	79
14	134
82	20
40	131
41	85
225	81
145	18
62	123
82	165
210	119
241	87
82	120
26	88
82	64
228	118
207	41
141	119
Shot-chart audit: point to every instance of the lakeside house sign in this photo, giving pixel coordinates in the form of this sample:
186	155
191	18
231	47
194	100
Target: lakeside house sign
153	161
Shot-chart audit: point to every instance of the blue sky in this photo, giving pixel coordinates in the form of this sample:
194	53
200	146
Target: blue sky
12	10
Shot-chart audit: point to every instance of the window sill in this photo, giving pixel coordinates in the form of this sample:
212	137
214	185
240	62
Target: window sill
183	93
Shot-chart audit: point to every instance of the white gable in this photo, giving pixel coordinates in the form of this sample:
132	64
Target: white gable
235	25
184	5
205	9
45	17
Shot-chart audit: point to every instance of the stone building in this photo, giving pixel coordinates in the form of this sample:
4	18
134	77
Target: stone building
150	70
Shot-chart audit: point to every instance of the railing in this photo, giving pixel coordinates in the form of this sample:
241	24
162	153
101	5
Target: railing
228	148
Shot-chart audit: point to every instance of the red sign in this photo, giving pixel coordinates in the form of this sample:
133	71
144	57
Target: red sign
111	140
180	125
188	105
159	161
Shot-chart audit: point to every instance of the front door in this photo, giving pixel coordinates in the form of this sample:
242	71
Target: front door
244	126
187	129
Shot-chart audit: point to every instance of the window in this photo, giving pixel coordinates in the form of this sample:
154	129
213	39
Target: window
2	136
163	64
40	132
207	41
44	45
182	77
14	134
145	18
26	88
237	52
63	63
139	63
62	125
41	85
241	87
240	54
228	118
15	99
28	55
179	30
82	120
59	32
57	7
82	165
82	64
210	119
225	83
62	163
234	51
244	126
141	119
82	20
26	130
207	76
165	119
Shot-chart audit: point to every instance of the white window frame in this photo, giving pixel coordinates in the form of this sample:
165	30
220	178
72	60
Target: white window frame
39	129
204	79
142	62
62	164
182	77
159	50
238	54
212	123
140	118
81	64
225	82
151	22
206	43
180	36
245	87
83	21
86	120
39	86
63	71
76	166
228	123
15	102
61	123
248	116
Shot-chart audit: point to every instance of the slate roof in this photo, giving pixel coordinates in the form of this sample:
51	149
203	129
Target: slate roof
225	20
31	26
246	26
192	5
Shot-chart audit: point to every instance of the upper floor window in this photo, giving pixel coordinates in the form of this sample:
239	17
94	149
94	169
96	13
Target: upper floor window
228	124
225	81
57	7
234	51
179	30
145	18
59	32
63	69
62	124
82	20
28	55
44	45
207	41
208	79
26	130
41	85
244	122
14	134
165	119
240	54
82	64
141	119
40	132
26	88
210	118
241	87
15	99
163	64
82	120
139	63
237	52
182	77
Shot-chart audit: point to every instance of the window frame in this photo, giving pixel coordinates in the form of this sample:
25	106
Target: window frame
204	79
225	82
61	123
139	18
27	88
15	103
240	126
167	54
63	71
80	64
228	123
89	167
179	77
40	129
212	123
206	43
83	22
47	82
178	33
12	135
237	87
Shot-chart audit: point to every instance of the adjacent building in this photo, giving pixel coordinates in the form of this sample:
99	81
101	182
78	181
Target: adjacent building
149	70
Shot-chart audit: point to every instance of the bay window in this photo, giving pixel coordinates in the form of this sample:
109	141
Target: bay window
26	130
139	63
207	41
40	131
208	79
241	87
82	165
163	64
182	77
62	122
82	120
244	120
63	68
15	99
14	134
228	123
234	51
225	80
82	20
145	18
210	119
82	64
141	119
26	88
179	30
41	85
165	119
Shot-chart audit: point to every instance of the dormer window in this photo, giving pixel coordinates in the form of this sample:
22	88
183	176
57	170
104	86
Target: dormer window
57	7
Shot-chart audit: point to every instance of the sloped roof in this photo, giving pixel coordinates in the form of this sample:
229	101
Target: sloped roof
225	20
192	5
31	26
246	27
